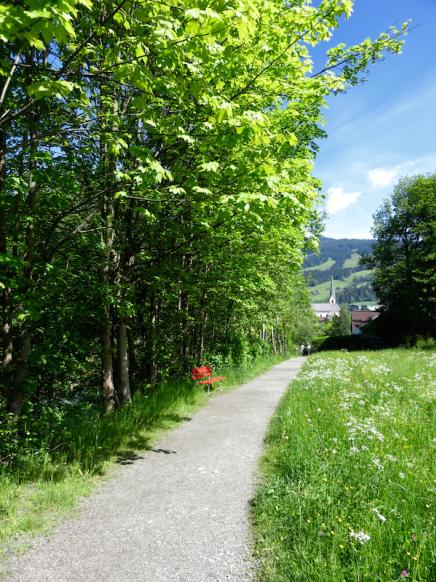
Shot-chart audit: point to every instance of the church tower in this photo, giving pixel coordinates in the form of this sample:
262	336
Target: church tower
332	292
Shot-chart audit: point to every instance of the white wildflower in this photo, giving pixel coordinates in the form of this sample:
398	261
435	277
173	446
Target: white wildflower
354	450
402	475
360	536
378	514
377	463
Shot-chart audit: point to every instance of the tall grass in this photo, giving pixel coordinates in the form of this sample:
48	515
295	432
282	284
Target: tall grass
348	483
46	482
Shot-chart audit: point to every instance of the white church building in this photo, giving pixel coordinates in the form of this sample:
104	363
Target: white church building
326	311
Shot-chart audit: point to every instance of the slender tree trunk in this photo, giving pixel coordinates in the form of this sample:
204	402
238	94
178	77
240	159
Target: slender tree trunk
279	339
285	340
15	390
123	363
107	217
184	314
7	333
107	362
6	295
132	357
203	324
184	308
126	260
15	396
273	340
153	339
108	164
212	335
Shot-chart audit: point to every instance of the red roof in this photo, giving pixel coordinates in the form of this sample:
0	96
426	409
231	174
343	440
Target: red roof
360	317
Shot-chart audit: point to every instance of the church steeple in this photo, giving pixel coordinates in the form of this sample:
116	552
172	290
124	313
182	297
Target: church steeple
332	292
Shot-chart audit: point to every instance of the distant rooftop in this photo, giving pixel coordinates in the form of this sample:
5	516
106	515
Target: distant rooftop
330	307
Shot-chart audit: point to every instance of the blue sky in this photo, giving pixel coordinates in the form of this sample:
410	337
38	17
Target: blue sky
384	128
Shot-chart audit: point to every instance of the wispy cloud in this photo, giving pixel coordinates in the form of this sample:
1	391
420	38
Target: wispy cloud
338	199
386	176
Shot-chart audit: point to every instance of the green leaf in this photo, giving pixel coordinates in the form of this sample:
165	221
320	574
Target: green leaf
43	89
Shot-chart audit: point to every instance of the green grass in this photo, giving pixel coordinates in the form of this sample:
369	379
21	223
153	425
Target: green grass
43	487
354	277
352	261
350	454
323	266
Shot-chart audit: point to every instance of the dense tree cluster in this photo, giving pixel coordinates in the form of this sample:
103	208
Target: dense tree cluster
357	293
404	259
340	325
339	250
155	183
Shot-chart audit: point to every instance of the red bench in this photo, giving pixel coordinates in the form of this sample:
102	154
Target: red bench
205	372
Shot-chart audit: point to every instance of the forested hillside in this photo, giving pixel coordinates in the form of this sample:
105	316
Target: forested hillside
340	259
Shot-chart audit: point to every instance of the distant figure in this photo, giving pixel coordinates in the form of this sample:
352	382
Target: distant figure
305	349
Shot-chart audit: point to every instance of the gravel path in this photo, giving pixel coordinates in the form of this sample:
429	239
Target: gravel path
178	513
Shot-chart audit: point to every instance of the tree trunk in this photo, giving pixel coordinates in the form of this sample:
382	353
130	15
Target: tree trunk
15	389
6	296
279	339
132	358
273	340
107	175
285	340
123	387
153	339
7	333
203	323
15	395
184	314
107	363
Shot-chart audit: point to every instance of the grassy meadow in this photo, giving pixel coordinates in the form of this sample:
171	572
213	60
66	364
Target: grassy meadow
348	482
43	485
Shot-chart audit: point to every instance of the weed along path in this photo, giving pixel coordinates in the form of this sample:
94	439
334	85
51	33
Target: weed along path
178	513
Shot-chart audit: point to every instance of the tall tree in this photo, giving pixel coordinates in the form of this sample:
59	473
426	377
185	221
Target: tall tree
404	259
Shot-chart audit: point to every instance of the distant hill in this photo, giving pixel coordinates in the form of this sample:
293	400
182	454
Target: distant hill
339	258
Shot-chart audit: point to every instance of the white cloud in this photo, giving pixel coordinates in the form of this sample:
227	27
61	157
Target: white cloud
338	199
387	176
380	177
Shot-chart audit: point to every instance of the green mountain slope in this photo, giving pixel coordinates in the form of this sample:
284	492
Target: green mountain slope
339	258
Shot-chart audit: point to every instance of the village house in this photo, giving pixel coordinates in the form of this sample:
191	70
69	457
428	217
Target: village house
360	318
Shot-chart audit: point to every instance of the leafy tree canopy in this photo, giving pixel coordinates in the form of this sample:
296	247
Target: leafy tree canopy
156	187
404	258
